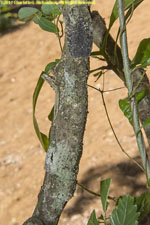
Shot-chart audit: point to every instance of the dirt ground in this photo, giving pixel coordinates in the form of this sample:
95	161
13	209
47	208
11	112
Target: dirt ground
23	55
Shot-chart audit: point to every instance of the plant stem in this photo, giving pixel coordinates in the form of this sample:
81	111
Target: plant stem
111	126
124	46
127	73
94	193
59	36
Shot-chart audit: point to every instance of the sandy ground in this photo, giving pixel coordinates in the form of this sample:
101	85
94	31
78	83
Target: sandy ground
23	55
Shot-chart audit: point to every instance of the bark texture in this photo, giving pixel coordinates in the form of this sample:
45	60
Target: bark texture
99	31
66	135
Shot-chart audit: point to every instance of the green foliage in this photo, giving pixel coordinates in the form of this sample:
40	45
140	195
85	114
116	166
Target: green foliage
128	4
134	5
37	17
50	65
44	140
125	213
47	70
93	220
140	95
147	122
27	13
47	25
5	23
143	204
95	53
7	19
98	75
43	17
4	8
104	191
142	56
50	10
51	115
124	104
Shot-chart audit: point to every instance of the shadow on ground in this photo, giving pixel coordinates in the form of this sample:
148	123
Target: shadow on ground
12	28
125	176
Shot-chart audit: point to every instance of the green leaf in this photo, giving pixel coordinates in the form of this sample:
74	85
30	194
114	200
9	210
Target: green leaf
51	115
99	74
124	105
143	204
104	191
27	13
142	56
96	53
57	60
37	17
125	212
131	9
4	8
50	9
140	95
44	140
127	5
47	25
147	123
49	66
93	220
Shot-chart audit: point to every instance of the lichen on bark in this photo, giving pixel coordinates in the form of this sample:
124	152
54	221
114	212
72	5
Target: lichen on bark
66	135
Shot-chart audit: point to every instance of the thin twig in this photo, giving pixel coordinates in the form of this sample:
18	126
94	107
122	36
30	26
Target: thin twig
94	193
115	89
108	118
58	35
99	68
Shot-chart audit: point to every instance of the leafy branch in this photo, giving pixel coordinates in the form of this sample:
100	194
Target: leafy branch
127	72
48	18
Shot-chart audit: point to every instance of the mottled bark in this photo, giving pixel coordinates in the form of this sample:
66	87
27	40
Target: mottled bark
66	136
99	31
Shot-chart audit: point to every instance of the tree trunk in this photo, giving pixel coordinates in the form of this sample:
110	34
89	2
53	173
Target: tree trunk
70	112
